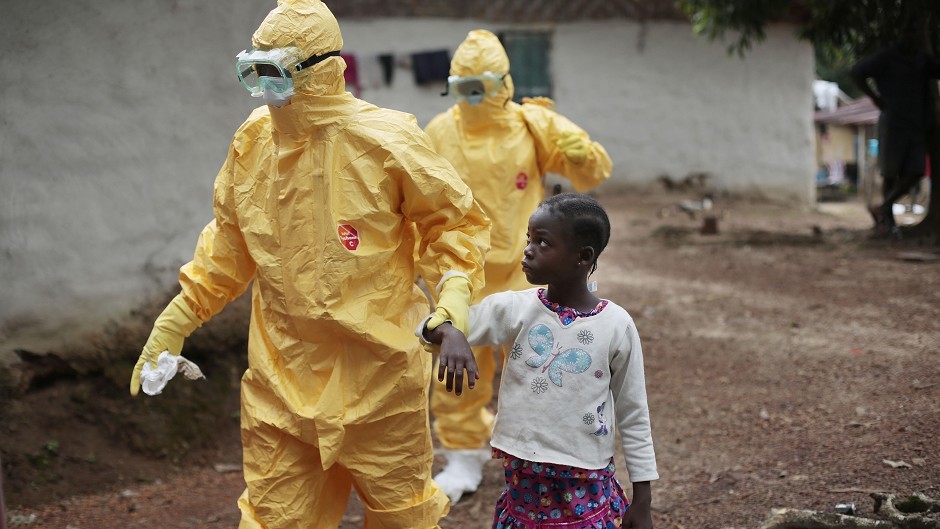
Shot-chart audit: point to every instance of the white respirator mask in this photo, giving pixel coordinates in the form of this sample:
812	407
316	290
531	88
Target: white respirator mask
274	98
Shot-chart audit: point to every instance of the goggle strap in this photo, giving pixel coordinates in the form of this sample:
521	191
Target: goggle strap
315	59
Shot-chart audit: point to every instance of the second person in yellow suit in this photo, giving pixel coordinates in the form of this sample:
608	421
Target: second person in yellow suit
316	209
502	150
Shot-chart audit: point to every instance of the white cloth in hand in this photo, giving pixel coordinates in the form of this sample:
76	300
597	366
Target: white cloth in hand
154	379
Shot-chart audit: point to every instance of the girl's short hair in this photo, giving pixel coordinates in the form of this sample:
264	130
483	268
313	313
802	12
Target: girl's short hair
588	220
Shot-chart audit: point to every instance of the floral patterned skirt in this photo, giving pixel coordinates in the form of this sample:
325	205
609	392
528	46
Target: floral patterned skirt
544	495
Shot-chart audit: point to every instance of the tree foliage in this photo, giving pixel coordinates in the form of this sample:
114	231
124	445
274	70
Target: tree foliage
845	29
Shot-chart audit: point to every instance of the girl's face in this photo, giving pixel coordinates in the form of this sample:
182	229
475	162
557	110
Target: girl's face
551	253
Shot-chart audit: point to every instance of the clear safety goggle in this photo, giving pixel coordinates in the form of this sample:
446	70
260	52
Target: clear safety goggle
474	88
273	69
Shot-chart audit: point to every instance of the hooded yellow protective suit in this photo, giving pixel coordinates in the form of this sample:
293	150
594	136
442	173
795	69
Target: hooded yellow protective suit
318	207
502	150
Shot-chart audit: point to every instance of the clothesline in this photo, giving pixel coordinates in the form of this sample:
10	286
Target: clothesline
371	71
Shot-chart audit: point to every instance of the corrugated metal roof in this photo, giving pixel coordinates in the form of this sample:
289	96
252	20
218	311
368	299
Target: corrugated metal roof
861	111
510	10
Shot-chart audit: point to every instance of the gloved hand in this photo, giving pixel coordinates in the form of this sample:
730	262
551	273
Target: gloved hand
453	305
173	325
574	146
541	101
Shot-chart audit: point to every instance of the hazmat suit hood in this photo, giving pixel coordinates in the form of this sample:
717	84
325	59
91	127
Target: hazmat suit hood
482	52
310	26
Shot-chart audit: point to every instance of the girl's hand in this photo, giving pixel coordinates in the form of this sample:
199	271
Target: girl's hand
456	357
639	515
638	519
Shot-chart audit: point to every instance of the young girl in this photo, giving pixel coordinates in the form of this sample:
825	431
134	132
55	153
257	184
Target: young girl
572	380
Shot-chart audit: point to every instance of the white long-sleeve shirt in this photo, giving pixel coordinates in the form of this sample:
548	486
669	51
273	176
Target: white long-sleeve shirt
566	389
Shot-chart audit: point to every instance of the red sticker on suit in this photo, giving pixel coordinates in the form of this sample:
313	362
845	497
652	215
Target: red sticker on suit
349	236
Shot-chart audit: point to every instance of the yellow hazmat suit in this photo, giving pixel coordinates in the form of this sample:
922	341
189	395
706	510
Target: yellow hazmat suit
502	150
317	207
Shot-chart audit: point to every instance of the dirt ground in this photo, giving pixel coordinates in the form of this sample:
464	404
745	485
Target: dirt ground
791	362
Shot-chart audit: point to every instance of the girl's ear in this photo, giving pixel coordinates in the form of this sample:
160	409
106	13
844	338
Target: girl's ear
586	255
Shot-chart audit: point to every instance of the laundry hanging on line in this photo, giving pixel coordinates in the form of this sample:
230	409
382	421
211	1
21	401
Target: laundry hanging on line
351	75
430	66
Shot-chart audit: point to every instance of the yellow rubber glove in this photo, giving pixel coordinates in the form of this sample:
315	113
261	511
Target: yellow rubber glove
173	325
541	101
574	146
453	305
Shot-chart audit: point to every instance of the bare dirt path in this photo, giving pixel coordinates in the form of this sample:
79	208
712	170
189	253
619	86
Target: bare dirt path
791	362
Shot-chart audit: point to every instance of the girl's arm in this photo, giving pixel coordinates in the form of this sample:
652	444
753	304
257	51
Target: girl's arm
628	386
493	321
488	326
639	515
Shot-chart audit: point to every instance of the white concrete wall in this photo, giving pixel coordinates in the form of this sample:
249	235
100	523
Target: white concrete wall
116	115
683	105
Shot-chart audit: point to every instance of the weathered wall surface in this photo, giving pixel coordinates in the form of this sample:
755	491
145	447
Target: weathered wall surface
682	105
115	117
